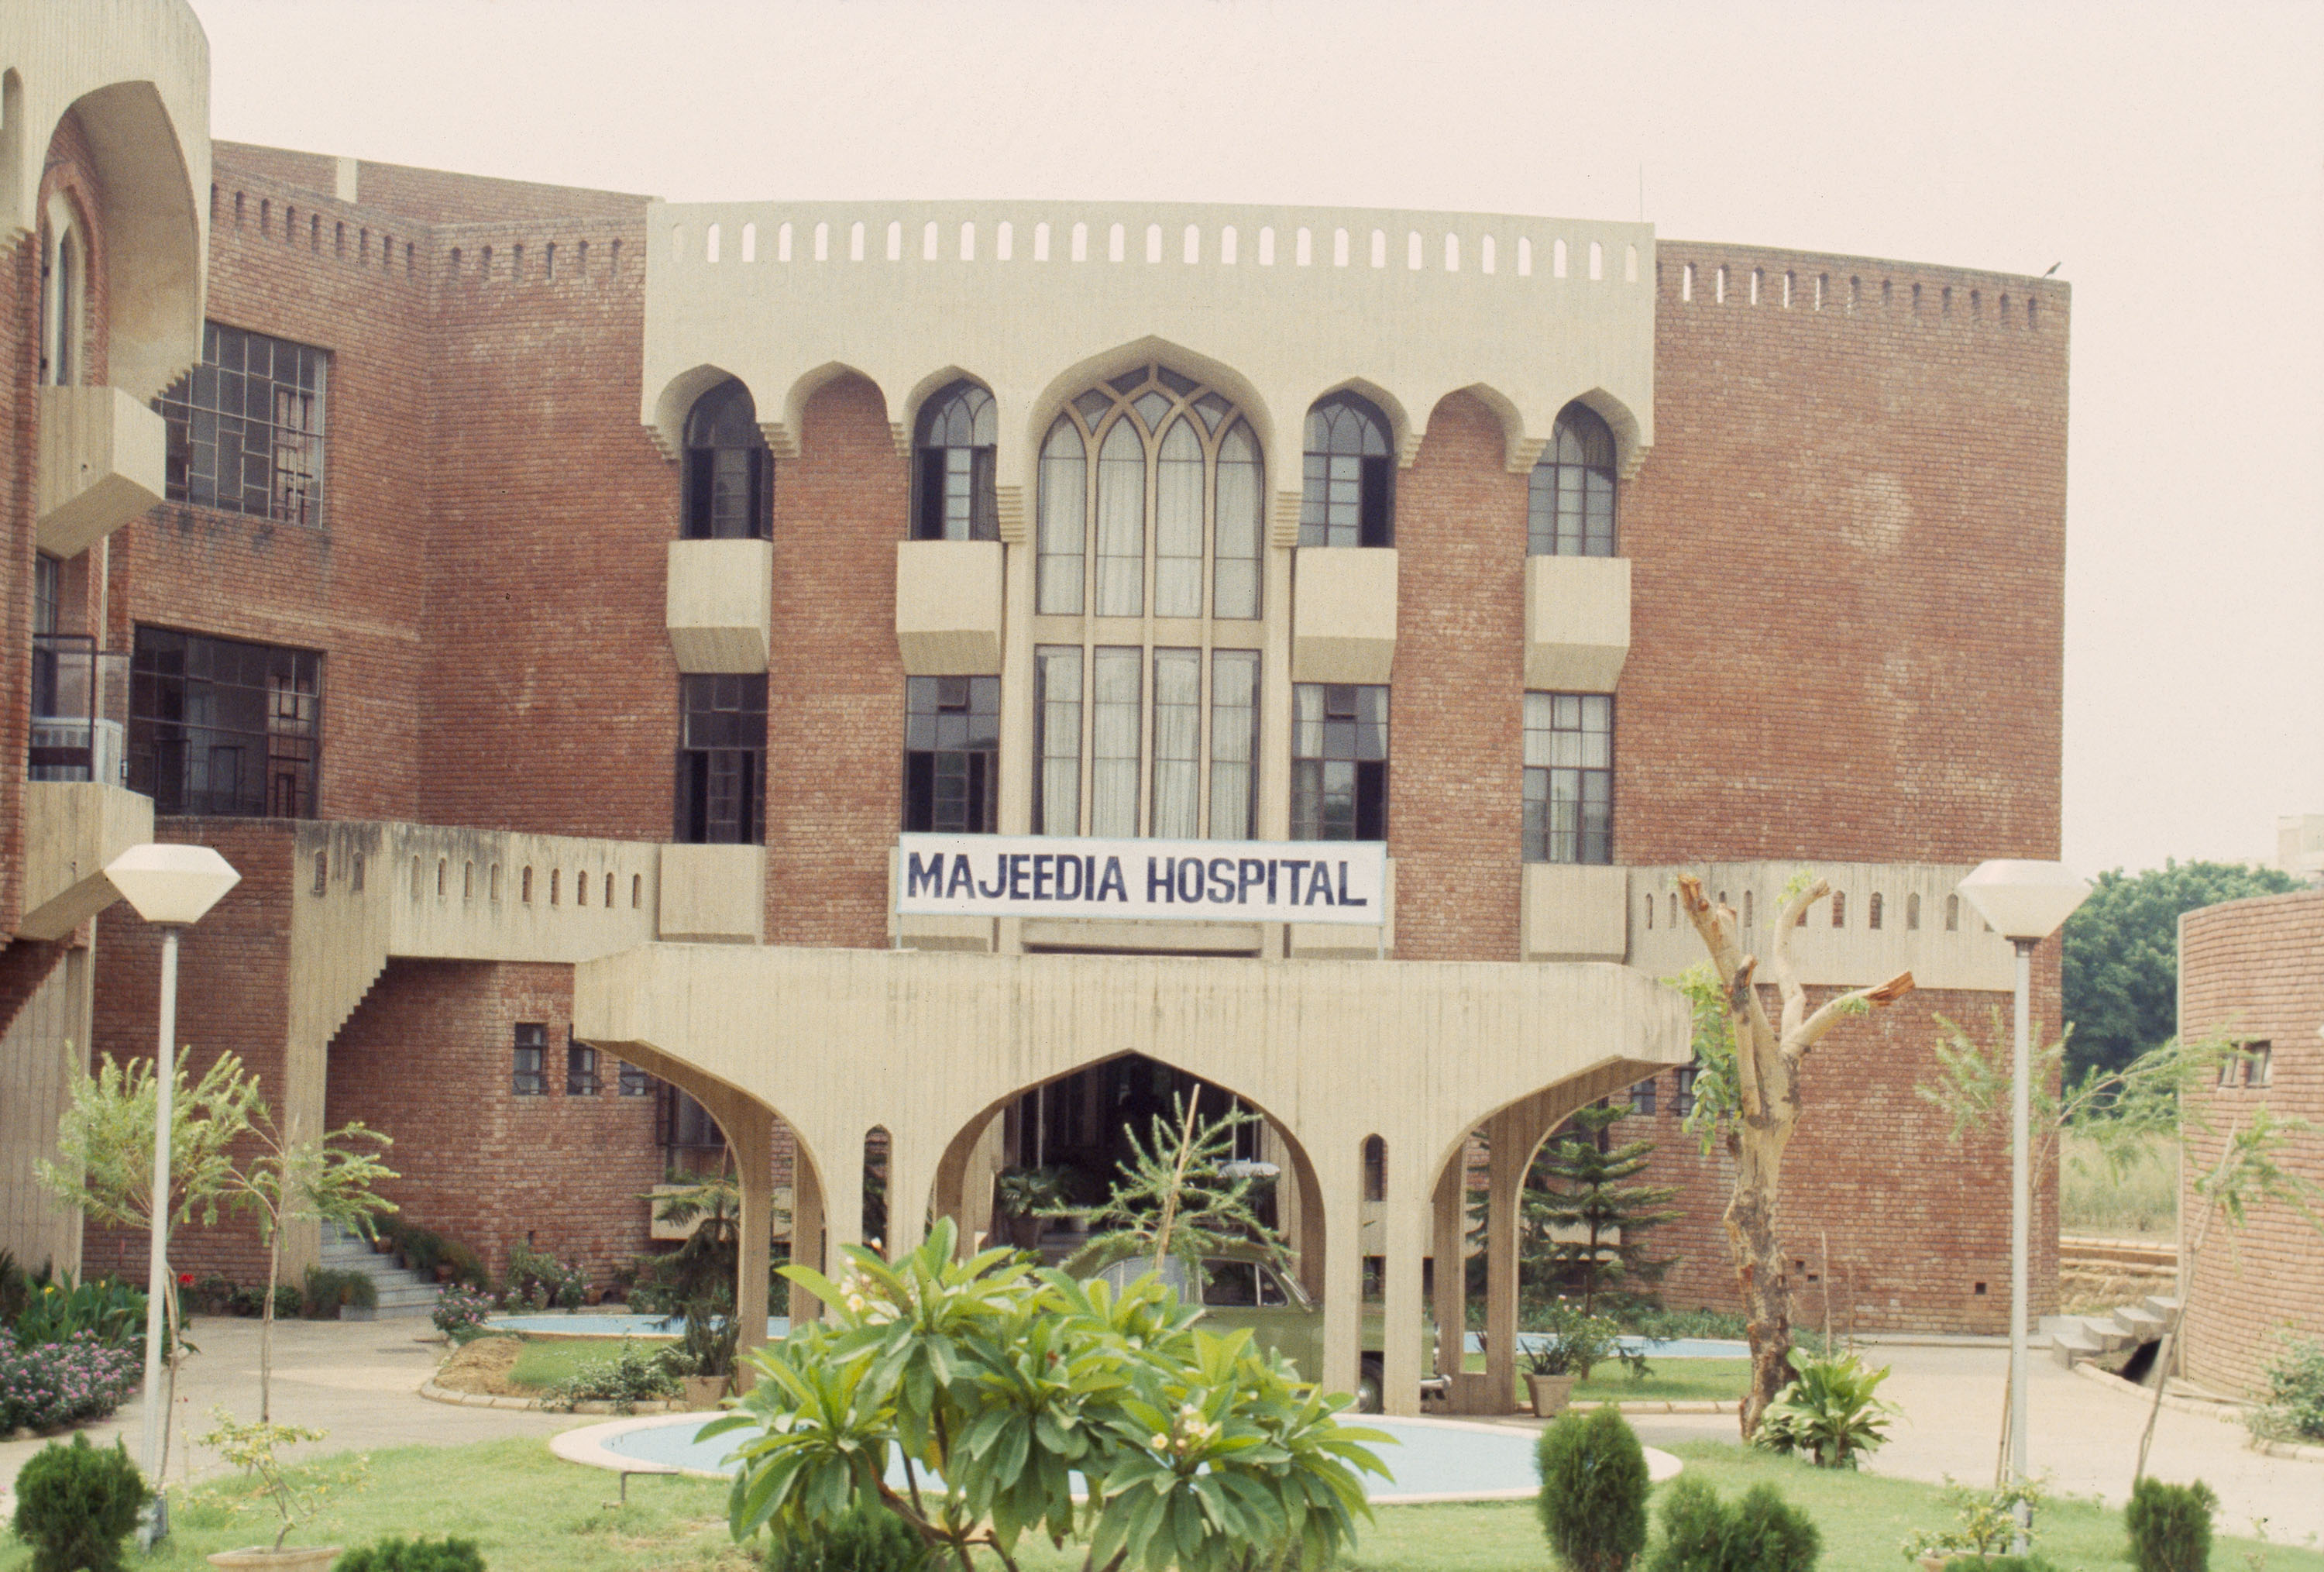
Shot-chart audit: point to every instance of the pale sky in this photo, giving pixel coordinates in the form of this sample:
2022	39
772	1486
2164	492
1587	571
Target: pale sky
2171	158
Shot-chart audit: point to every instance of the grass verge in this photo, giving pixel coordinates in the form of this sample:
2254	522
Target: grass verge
1672	1381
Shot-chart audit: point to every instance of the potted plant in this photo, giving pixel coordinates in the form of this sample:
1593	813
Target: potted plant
252	1448
703	1359
1029	1198
1567	1345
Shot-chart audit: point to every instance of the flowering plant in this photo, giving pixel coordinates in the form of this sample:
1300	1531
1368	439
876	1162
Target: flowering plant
460	1313
48	1385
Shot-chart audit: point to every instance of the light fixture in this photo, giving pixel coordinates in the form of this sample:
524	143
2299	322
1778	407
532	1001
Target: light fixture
2025	903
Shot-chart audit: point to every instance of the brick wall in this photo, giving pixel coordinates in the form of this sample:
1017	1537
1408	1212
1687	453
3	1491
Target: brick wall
2253	971
835	678
1456	744
428	1059
233	992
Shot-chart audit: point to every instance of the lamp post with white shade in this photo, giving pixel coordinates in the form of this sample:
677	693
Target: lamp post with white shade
172	887
2025	903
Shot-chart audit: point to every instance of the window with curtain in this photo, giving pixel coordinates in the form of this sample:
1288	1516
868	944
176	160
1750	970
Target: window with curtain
1117	691
1151	485
1347	476
1057	721
728	481
954	498
1234	743
1570	504
1569	777
1177	744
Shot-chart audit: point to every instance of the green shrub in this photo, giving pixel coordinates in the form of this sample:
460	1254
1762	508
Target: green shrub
54	1311
2294	1409
2170	1526
327	1289
401	1555
629	1377
76	1504
1827	1411
1593	1491
1759	1533
866	1538
1987	1521
2032	1563
538	1279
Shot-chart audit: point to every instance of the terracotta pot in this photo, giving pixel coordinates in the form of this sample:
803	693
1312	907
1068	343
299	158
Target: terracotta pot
1550	1393
289	1558
703	1391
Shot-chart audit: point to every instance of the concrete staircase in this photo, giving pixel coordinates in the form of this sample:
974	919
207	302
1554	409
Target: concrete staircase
2112	1338
402	1294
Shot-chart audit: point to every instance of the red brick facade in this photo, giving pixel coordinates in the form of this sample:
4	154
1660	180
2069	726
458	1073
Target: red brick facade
2252	971
1819	669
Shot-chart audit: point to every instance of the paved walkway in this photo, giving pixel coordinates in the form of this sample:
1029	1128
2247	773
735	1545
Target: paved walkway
359	1382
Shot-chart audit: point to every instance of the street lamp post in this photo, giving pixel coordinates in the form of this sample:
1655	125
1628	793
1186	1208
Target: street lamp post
2025	903
172	887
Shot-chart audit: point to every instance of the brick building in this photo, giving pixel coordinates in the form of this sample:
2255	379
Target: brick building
567	610
2252	972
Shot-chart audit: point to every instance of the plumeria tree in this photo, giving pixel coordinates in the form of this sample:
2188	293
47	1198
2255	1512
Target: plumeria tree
989	1385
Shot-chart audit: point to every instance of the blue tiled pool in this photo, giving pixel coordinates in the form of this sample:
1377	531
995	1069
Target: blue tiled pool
1427	1458
589	1326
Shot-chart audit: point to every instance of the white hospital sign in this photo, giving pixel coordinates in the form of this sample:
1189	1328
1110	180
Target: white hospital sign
1041	876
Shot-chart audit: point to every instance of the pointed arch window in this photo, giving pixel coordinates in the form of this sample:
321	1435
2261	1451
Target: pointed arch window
729	472
1151	489
953	470
1348	481
1570	508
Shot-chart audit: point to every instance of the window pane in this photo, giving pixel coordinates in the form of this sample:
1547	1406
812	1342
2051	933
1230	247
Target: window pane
1058	564
1177	742
1122	522
1240	502
1114	724
1234	731
1178	523
1569	780
1341	728
1058	675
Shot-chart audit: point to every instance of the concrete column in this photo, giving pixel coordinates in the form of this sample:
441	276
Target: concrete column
909	1181
1339	1177
1449	1303
1405	1223
806	1232
1504	1134
752	1133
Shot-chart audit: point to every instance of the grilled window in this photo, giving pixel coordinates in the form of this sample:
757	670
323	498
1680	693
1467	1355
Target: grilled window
953	472
1570	507
244	428
952	754
729	473
580	1068
1338	761
1569	777
1642	1097
529	1077
635	1082
218	727
722	756
1347	484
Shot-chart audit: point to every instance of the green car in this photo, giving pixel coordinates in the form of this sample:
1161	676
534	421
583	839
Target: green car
1246	1291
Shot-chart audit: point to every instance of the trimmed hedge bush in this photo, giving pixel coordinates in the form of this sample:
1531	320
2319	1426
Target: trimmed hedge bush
1761	1532
401	1555
1593	1490
863	1538
2170	1526
77	1504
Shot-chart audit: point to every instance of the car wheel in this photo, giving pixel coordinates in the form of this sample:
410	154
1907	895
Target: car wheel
1368	1389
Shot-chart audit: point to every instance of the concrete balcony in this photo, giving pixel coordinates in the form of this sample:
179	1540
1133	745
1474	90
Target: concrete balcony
1577	623
948	607
713	894
1575	913
101	465
720	601
1343	615
71	831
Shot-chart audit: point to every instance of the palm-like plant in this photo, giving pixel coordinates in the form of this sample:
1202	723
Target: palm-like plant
1828	1410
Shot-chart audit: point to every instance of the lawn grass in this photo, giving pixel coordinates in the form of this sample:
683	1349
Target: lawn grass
1672	1381
545	1364
529	1512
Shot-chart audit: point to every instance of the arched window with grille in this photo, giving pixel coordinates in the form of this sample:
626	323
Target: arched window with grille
1348	483
951	474
729	472
1570	510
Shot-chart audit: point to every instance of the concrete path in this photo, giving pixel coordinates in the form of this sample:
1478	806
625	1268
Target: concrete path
359	1382
2085	1435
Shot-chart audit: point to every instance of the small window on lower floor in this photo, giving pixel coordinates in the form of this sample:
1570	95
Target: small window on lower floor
1338	761
1569	777
1682	1095
1642	1097
635	1082
952	754
530	1074
580	1068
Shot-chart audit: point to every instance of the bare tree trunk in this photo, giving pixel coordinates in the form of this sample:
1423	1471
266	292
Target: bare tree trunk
266	1329
1768	1057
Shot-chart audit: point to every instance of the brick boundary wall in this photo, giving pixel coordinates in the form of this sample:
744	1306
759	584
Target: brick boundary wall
2253	971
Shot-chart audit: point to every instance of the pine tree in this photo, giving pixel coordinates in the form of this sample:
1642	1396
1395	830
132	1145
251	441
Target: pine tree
1577	1183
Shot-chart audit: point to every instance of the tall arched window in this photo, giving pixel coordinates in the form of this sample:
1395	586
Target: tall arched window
1348	484
64	294
1570	512
1166	476
953	470
1151	493
729	472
